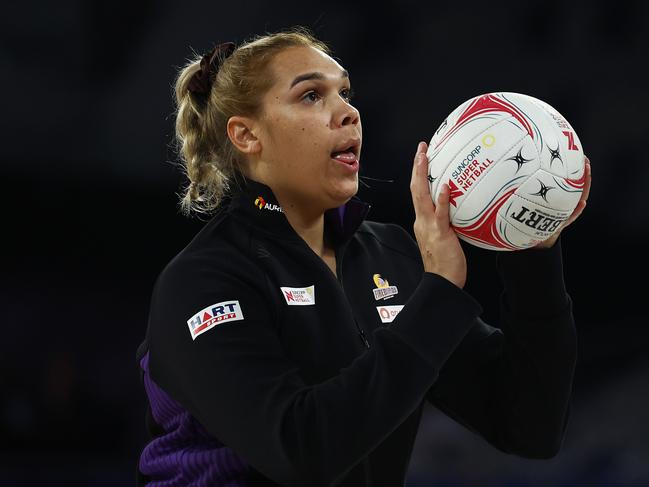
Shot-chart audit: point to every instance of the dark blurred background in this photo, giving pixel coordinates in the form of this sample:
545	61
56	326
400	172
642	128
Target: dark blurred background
90	207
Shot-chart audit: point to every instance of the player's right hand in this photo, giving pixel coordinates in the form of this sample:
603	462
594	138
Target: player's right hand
438	243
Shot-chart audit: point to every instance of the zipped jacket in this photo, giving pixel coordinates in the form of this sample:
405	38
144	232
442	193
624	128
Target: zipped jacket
263	367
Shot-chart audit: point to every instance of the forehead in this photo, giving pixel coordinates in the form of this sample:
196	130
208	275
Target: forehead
294	61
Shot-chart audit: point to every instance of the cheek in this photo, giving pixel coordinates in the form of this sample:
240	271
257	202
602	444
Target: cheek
307	137
297	140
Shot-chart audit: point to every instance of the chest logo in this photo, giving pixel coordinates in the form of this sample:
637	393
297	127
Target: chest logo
214	315
299	296
389	313
262	204
383	289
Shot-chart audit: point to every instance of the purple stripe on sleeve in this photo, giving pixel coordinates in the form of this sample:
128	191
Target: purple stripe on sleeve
185	454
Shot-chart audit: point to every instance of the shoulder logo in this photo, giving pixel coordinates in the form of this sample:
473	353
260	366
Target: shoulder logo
213	315
299	296
389	313
383	289
262	204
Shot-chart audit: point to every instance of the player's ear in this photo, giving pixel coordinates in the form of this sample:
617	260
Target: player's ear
242	132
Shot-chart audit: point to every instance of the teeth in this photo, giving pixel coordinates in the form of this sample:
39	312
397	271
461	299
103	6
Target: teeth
346	157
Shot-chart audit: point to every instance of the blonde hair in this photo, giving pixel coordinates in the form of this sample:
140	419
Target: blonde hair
210	160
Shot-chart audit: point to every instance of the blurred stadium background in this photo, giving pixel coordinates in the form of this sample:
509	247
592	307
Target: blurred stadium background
90	207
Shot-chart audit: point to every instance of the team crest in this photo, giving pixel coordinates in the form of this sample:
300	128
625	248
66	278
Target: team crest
383	289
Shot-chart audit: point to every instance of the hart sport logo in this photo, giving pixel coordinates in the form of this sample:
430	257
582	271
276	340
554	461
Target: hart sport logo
261	203
213	315
383	289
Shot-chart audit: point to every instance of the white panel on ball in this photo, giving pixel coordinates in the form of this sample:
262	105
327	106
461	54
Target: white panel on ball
476	220
499	152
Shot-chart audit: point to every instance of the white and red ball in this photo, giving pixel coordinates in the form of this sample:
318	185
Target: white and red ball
515	167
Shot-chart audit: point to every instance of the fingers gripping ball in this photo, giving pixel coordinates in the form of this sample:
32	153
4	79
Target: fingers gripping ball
514	166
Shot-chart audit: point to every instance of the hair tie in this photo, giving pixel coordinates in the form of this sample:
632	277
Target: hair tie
201	81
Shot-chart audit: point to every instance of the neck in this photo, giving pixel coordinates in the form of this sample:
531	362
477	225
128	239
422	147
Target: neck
307	223
306	220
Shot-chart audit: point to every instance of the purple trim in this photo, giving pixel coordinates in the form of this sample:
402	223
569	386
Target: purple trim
341	213
185	454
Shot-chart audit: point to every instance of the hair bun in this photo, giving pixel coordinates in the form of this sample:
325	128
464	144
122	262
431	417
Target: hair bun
201	81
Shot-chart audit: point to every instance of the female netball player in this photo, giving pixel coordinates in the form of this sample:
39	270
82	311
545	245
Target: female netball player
294	342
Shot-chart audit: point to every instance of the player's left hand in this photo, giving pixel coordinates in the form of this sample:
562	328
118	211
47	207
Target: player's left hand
546	244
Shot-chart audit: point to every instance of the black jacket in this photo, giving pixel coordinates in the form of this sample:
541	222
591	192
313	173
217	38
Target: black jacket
313	380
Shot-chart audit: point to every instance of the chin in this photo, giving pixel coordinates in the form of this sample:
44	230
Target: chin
344	193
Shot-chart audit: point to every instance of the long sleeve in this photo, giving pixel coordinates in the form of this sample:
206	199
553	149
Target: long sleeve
239	382
513	385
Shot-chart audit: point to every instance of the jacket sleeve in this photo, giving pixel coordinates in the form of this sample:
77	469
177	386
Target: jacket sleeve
237	380
513	385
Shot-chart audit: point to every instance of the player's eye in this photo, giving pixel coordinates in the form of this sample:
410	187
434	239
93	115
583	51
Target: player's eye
347	94
310	97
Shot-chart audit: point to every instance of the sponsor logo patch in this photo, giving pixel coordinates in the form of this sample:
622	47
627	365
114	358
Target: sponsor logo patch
299	296
389	313
383	289
262	204
214	315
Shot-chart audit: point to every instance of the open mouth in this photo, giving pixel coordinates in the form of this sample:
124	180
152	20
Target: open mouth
348	154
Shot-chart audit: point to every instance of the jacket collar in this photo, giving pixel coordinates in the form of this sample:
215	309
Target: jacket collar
255	203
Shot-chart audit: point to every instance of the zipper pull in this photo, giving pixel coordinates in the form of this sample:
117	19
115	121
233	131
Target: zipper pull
361	334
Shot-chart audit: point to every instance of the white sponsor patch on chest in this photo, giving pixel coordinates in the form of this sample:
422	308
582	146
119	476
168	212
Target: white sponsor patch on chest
299	296
389	313
214	315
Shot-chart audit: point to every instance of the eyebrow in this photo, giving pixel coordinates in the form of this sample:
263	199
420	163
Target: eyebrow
315	75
